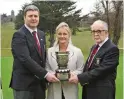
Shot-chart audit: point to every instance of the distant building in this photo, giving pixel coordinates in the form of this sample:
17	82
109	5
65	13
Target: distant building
12	16
9	18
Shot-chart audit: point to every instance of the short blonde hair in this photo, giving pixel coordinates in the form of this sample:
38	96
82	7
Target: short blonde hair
65	26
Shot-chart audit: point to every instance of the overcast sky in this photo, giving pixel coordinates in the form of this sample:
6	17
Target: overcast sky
7	5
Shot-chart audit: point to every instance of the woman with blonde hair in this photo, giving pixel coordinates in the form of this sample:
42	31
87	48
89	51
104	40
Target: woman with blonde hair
63	43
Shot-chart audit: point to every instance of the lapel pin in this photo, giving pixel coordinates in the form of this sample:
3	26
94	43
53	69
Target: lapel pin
98	61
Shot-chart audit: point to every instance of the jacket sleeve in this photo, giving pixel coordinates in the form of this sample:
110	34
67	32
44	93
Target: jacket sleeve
107	66
79	63
21	52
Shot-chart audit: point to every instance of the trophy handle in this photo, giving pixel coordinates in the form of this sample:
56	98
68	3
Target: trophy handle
68	55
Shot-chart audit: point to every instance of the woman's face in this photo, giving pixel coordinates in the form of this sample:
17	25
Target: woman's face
62	35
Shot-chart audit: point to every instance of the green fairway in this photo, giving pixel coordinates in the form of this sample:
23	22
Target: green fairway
6	63
82	40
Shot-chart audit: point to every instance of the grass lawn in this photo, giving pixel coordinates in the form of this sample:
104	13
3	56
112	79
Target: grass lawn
6	74
82	40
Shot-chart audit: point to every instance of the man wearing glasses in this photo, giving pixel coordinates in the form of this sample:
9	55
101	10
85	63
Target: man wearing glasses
99	74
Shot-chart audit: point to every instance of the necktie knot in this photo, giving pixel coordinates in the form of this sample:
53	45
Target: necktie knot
96	46
95	49
34	32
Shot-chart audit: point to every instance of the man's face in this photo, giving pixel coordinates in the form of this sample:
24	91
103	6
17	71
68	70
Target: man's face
32	19
99	33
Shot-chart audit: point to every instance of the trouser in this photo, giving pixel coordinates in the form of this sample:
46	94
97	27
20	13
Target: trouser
23	94
98	92
39	93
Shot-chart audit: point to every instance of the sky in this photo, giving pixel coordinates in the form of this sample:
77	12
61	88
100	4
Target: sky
7	5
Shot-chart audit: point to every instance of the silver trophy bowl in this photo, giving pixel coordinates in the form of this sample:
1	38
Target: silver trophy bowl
62	73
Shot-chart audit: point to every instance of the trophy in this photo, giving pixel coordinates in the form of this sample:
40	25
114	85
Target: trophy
62	73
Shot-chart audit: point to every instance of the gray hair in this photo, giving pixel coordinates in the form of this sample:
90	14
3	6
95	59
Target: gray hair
101	22
65	25
29	8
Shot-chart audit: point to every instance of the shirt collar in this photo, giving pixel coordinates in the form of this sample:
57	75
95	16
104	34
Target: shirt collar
31	30
103	42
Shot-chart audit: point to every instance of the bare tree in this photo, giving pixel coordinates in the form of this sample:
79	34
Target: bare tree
106	9
117	21
113	15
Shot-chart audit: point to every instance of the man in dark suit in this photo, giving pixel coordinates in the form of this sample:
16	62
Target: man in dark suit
98	78
28	49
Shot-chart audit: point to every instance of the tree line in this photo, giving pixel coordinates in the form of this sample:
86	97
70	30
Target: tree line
51	14
54	12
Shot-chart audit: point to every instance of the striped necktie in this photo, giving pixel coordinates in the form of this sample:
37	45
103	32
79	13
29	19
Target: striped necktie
95	49
37	41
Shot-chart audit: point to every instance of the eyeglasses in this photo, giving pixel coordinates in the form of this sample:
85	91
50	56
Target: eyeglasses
97	31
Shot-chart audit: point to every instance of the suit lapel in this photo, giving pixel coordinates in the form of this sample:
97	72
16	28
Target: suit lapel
42	44
30	38
86	63
41	40
101	51
28	34
103	48
98	54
